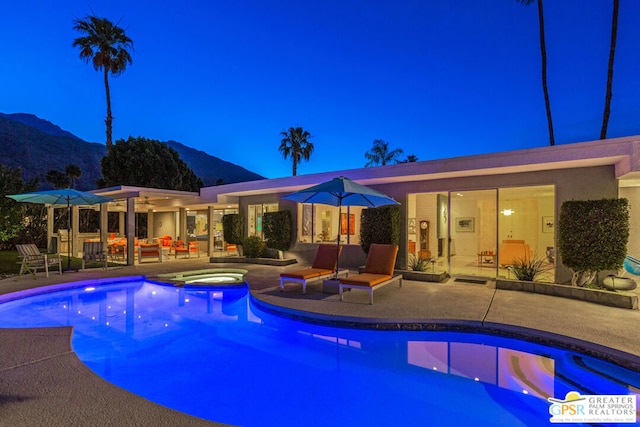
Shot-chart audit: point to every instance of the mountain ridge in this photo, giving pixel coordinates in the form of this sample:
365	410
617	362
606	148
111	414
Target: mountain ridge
36	145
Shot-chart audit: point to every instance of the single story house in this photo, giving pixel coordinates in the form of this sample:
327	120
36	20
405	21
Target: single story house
465	213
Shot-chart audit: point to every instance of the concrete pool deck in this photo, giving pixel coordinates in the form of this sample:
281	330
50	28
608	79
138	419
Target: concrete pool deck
42	382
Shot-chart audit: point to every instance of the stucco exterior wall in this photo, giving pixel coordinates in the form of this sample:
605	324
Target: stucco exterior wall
570	184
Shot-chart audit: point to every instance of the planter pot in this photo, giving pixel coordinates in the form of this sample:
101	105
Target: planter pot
596	296
617	283
273	253
420	276
243	260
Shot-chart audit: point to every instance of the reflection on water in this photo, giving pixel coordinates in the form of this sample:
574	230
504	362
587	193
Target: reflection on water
512	369
209	352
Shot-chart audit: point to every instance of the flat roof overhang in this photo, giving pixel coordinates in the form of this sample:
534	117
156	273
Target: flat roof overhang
617	152
622	153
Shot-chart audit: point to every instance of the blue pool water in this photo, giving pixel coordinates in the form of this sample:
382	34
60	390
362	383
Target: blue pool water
210	353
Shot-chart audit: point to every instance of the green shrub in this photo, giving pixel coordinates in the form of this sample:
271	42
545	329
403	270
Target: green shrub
593	236
380	225
232	225
253	247
418	263
276	227
529	268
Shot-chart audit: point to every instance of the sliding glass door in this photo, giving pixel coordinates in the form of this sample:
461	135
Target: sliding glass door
472	233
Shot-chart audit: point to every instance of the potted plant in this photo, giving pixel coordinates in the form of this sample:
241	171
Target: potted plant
528	268
418	263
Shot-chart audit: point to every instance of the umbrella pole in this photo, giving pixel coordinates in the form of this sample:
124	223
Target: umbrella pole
338	246
70	241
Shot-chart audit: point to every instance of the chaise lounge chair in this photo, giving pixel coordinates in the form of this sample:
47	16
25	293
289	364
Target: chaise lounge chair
323	267
94	251
378	271
31	259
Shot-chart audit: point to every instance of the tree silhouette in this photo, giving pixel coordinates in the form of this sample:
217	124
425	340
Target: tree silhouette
543	55
73	172
57	179
146	162
380	154
612	53
295	144
106	46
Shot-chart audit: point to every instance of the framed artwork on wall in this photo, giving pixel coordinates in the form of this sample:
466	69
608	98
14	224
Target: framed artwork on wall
547	224
307	217
351	225
412	226
465	224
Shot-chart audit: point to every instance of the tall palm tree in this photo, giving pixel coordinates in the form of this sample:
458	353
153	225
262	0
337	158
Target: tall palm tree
380	154
57	179
543	54
73	172
295	144
411	158
106	46
612	52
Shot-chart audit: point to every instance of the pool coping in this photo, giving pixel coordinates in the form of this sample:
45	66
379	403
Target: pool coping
608	354
612	355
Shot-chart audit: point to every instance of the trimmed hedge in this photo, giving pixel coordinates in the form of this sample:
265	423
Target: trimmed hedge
276	227
253	247
232	225
380	225
593	235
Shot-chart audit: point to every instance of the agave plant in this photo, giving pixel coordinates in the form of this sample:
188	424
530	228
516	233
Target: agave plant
418	263
529	268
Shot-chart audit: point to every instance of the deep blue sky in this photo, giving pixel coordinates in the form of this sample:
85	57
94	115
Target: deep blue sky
437	78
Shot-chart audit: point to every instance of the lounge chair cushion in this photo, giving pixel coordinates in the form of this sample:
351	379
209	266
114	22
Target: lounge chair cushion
306	273
381	259
324	266
366	279
327	257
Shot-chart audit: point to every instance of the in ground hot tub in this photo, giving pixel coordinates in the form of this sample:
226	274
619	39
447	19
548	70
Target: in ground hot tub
207	277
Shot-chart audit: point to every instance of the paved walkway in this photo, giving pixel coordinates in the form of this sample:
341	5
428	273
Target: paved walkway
42	382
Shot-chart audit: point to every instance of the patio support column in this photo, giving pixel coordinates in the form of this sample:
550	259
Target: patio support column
104	221
182	224
121	223
150	227
210	231
50	230
131	230
75	229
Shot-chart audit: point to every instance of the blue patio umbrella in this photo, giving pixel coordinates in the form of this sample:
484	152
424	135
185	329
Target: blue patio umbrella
341	192
62	197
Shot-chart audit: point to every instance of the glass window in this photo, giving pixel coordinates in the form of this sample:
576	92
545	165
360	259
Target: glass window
255	217
218	230
197	225
322	224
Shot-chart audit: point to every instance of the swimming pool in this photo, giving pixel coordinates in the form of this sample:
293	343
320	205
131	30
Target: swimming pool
209	352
